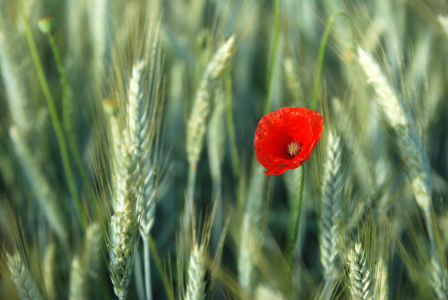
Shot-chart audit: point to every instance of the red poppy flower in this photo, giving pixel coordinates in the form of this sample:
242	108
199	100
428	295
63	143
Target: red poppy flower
285	138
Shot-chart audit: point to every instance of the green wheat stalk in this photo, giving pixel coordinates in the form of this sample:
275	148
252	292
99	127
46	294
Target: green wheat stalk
67	115
54	118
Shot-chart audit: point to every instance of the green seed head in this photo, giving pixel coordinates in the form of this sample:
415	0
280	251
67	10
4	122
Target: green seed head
47	23
294	148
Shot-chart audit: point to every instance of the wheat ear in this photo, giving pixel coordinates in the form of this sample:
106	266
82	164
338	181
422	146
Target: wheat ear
127	187
85	265
408	141
362	165
409	144
363	170
359	274
381	287
49	269
21	278
77	278
198	255
331	201
437	279
197	122
148	204
196	274
251	238
147	220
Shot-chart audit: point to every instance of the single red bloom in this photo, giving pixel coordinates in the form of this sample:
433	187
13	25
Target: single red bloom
285	138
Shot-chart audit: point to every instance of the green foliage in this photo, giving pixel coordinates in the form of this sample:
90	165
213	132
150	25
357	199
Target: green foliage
125	111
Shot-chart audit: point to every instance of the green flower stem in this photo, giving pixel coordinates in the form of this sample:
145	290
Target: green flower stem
232	137
273	58
54	118
321	53
294	223
67	116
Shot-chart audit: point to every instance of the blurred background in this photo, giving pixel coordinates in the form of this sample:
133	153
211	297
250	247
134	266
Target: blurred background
277	59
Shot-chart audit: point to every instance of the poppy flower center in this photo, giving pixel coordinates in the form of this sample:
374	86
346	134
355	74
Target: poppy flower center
294	148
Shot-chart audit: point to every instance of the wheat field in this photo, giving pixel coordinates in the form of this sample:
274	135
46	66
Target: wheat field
136	140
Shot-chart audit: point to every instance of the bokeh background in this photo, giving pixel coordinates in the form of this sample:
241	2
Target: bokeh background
274	63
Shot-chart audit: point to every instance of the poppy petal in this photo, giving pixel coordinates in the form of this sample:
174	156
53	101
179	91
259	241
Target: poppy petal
278	129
